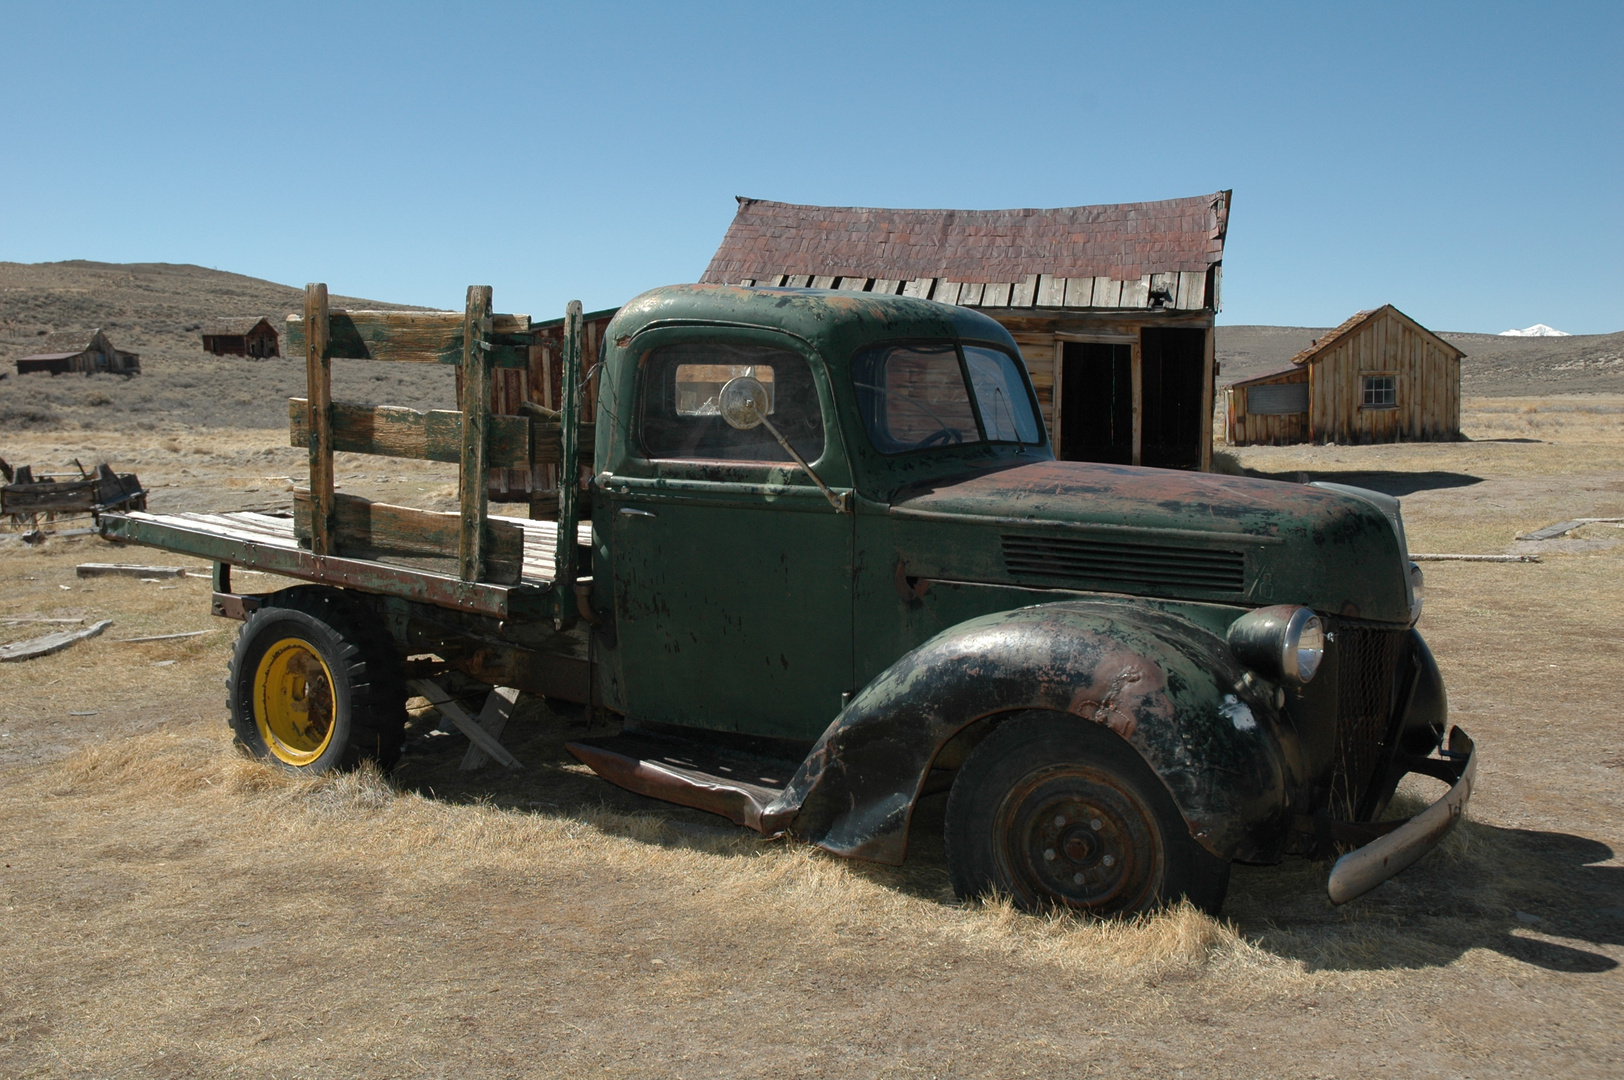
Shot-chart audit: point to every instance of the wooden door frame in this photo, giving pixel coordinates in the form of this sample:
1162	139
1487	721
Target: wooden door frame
1098	337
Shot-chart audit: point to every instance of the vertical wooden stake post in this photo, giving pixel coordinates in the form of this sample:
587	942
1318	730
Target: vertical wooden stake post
319	392
476	408
1137	366
569	470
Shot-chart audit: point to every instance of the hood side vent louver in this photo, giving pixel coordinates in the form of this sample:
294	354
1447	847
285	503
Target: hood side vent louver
1128	565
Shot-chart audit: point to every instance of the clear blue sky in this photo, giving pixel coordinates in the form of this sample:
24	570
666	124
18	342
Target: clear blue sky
1465	162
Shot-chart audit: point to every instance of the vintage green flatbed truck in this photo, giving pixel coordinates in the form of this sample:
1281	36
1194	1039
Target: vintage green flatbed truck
824	562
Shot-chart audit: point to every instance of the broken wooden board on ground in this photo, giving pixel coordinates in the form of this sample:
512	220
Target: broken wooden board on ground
34	648
432	692
164	637
1472	558
1561	528
499	704
106	569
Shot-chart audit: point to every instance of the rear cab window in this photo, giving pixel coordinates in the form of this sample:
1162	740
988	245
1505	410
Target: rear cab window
919	396
677	414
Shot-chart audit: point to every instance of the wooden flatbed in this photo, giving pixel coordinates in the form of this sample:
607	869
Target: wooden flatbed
270	542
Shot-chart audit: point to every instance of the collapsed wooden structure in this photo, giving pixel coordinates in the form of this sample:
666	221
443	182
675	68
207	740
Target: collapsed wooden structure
252	336
25	497
1379	377
1112	306
86	352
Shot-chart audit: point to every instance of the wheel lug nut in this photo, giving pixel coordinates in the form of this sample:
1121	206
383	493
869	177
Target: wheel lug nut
1048	853
1077	879
1109	860
1096	824
1059	821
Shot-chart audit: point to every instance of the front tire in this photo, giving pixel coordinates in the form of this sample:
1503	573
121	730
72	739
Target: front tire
314	685
1054	811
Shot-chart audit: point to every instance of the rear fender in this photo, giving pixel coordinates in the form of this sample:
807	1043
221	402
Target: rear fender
1169	688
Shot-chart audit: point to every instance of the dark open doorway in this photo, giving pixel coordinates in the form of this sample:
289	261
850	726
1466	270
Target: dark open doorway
1171	368
1096	402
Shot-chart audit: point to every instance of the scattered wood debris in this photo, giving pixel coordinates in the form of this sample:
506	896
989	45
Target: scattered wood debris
1473	558
1562	528
107	569
24	496
165	637
34	648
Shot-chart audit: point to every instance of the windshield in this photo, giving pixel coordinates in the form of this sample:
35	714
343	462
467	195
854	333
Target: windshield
913	397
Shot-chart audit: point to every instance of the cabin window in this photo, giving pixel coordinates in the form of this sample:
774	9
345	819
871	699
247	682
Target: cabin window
1380	392
912	397
678	415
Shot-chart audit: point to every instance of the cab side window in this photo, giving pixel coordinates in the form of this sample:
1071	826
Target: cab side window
677	409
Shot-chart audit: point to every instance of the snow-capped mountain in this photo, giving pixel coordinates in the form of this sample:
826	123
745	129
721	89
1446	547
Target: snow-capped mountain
1537	330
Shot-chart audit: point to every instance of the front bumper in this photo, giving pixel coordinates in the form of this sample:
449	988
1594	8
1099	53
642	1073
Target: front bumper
1364	868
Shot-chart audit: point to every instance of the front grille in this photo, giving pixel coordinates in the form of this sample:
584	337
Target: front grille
1367	668
1125	564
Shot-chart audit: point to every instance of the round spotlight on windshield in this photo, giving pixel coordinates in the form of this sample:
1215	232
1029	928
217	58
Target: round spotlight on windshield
1284	643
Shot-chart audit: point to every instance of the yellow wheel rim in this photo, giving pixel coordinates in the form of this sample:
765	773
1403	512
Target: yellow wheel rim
293	701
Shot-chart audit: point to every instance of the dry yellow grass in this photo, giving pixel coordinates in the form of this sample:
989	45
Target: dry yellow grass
172	908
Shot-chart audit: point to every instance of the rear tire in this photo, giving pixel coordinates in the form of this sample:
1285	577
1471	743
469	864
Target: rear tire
314	684
1053	811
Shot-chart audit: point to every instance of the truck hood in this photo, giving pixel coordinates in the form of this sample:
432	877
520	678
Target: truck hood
1160	532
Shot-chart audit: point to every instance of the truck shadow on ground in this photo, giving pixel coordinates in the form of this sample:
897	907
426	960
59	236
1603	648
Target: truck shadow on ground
1395	482
1541	898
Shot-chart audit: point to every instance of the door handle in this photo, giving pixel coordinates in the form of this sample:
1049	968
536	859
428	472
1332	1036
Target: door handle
632	511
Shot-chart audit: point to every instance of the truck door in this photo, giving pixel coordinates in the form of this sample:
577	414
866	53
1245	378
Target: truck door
733	574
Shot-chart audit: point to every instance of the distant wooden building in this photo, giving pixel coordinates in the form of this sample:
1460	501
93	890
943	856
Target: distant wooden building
86	351
1112	306
250	336
1379	377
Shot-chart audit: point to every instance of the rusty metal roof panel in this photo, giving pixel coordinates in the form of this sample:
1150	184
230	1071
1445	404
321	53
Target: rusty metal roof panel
1121	242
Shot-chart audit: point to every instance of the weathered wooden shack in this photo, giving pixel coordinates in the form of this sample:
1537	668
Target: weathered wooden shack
252	336
1379	377
1112	306
85	351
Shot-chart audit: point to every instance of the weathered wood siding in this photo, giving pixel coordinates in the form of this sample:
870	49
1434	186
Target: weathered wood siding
1038	333
1039	352
1426	382
541	383
1246	428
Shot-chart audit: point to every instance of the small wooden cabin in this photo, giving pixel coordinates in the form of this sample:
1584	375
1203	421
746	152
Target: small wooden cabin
1112	306
250	336
84	351
1379	377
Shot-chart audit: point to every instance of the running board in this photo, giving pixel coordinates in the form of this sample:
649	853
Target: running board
739	786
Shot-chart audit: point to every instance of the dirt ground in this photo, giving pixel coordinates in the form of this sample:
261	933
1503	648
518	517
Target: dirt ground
168	908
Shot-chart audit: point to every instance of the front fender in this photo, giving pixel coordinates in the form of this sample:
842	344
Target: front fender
1169	688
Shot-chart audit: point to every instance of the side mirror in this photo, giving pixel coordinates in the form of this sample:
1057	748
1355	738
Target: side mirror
743	403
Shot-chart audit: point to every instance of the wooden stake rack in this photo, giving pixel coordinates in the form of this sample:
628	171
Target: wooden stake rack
477	341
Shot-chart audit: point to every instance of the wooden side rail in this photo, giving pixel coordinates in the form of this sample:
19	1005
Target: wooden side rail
515	442
423	337
368	529
392	431
477	341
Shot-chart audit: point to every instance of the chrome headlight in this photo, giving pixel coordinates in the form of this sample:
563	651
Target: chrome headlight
1283	644
1418	590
